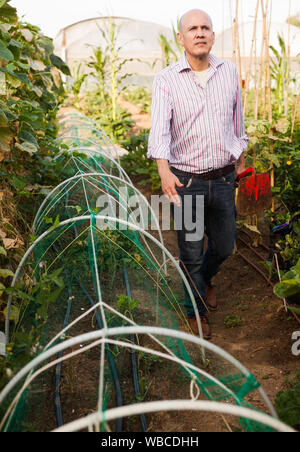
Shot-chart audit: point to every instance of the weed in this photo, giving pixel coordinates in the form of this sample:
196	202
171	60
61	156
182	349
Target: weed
232	321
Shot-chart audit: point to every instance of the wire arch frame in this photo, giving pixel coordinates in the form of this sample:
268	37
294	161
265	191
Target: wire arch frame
94	152
107	333
169	255
110	178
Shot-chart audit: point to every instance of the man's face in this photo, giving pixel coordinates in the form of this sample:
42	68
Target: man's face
196	34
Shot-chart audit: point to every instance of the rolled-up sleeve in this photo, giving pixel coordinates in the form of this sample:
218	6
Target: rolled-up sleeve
161	116
238	119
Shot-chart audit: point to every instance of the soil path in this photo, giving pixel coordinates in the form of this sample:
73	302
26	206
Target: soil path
142	120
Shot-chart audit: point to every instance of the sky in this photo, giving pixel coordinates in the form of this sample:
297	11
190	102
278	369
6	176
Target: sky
53	15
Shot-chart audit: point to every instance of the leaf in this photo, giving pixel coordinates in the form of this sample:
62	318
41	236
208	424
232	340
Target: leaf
27	147
5	273
13	81
14	313
28	137
296	310
56	77
5	139
37	91
8	14
60	64
45	44
36	65
27	35
12	243
19	75
47	81
3	119
282	125
2	288
24	66
5	53
287	288
3	251
252	228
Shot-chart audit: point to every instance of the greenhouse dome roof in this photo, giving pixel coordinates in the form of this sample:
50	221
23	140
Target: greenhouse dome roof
134	37
136	41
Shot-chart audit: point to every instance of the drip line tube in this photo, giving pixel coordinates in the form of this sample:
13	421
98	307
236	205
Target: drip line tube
135	374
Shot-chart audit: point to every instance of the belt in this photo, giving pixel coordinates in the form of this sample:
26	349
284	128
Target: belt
214	174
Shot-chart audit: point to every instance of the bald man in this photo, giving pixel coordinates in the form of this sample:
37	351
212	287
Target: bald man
198	140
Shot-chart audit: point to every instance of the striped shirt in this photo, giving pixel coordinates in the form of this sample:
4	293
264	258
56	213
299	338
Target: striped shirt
197	129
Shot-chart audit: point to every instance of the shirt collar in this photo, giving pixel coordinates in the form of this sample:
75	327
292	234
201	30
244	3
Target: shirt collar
183	63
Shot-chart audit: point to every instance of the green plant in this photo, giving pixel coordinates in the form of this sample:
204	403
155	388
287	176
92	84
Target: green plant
171	50
279	73
99	66
106	67
100	110
31	93
232	321
26	336
284	156
144	387
139	96
287	405
127	305
167	50
292	379
290	248
290	283
78	78
136	162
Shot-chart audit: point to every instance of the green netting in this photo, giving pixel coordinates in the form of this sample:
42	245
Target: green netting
89	272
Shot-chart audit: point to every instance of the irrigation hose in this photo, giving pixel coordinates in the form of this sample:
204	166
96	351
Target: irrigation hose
57	399
135	374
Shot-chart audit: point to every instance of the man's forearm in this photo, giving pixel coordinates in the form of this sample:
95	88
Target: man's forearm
162	166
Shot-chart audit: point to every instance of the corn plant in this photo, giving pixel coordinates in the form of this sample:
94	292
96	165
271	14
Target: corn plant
99	69
279	73
112	63
170	53
78	78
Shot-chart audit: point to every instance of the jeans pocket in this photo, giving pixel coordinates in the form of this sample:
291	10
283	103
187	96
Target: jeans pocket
185	180
229	179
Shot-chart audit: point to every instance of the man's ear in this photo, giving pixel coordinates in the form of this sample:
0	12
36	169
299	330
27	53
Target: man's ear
179	38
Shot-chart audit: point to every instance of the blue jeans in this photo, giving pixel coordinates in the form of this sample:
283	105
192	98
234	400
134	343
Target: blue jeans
220	229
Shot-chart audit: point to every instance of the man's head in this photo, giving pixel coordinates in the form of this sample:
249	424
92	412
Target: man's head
196	33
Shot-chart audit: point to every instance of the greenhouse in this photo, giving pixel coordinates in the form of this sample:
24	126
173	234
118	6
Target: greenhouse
138	42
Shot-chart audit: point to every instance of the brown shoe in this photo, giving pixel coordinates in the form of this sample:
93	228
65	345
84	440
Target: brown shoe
206	330
211	297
